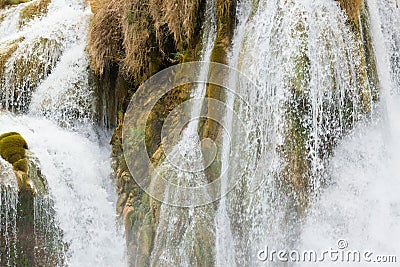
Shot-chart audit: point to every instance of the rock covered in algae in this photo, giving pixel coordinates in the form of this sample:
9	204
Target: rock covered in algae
31	236
13	148
4	3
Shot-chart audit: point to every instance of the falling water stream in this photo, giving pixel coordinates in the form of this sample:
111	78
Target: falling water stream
362	204
306	62
8	205
177	231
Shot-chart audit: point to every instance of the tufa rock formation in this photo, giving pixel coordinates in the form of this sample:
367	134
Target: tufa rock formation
28	239
13	148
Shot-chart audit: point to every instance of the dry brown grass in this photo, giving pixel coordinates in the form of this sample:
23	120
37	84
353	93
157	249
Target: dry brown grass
95	5
176	17
119	34
352	8
105	35
134	34
139	44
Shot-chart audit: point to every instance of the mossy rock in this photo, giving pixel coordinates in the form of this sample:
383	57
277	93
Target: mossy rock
4	3
8	134
13	149
35	178
21	165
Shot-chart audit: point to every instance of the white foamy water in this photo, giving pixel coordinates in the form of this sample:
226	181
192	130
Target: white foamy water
362	204
78	173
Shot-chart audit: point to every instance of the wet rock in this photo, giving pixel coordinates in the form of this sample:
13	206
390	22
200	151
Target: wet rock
13	149
352	8
30	238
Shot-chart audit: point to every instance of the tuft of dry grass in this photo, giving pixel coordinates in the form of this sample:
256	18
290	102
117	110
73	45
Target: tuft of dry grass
95	5
139	43
135	34
105	35
352	8
176	17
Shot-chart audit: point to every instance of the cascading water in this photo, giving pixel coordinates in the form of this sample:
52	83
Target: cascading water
8	212
313	87
361	204
300	183
177	245
305	62
65	94
77	170
224	244
44	73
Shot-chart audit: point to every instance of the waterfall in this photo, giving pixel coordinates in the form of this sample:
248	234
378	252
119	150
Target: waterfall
178	230
316	170
361	204
225	250
8	212
305	62
44	72
77	170
314	97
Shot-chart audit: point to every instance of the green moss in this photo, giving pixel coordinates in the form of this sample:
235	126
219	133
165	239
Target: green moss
210	128
35	176
254	7
368	55
12	147
302	75
4	3
21	165
8	134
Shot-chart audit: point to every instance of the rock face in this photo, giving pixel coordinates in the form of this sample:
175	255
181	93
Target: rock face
129	41
30	237
352	8
119	37
121	32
